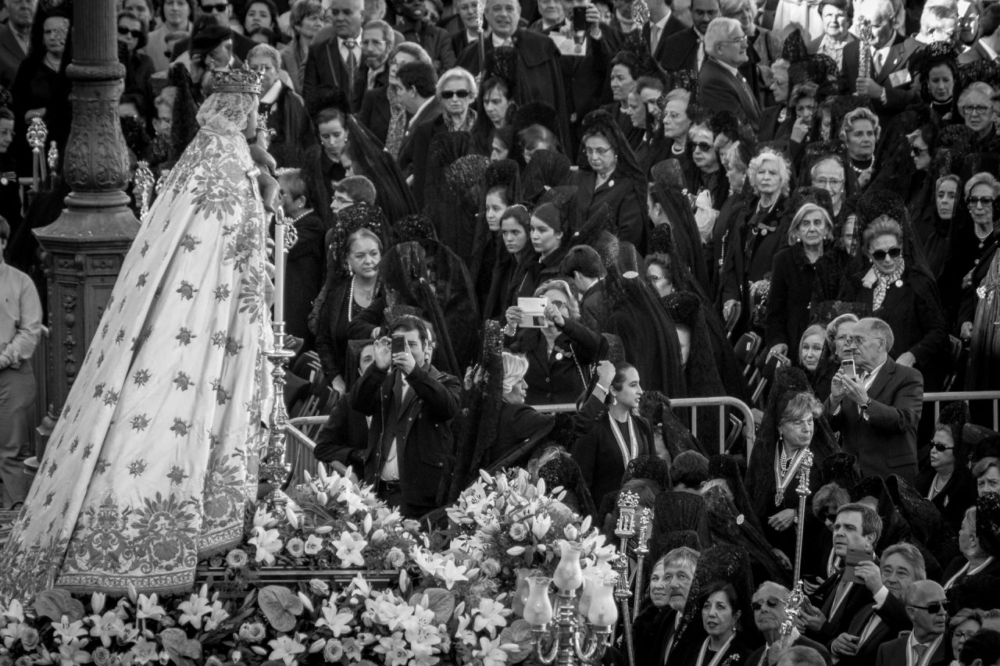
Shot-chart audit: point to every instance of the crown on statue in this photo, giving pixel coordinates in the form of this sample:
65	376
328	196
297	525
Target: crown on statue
243	80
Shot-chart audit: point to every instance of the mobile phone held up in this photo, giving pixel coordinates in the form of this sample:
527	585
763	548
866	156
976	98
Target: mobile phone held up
847	366
398	345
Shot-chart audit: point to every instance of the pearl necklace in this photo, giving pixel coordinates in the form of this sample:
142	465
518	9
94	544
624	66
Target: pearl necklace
860	170
350	299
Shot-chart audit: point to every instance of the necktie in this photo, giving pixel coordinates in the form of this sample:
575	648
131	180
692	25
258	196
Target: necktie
352	64
877	63
869	628
654	38
918	653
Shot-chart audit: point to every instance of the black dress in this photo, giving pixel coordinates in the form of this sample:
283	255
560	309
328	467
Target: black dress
561	376
789	298
956	496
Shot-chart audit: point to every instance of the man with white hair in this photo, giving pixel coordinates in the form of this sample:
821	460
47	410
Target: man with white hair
888	84
722	87
769	602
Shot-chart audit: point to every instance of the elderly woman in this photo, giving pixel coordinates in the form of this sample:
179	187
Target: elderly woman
721	620
905	297
707	179
133	32
456	90
792	277
980	302
610	433
975	105
964	624
305	21
974	247
749	254
291	130
835	340
676	121
560	352
610	176
987	474
802	102
176	16
860	131
979	541
520	425
836	17
948	483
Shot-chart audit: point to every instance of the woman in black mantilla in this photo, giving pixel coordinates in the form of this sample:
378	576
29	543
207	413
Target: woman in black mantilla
638	317
793	421
610	175
515	228
751	239
356	244
669	205
551	226
501	189
610	433
948	483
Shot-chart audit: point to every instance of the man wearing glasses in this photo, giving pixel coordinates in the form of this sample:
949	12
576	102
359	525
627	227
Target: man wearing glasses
988	44
721	84
768	605
926	605
222	12
888	82
875	403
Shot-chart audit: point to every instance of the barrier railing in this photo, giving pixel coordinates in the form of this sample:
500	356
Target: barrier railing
721	402
971	396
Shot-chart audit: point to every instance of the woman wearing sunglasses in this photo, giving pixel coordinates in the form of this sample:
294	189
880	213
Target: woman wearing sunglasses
133	32
901	291
948	483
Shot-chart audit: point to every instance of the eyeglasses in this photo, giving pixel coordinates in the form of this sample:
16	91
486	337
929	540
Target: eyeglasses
828	516
892	253
217	9
857	340
703	146
974	202
448	94
601	152
827	182
933	608
737	40
964	635
941	448
125	32
770	603
917	152
975	110
801	423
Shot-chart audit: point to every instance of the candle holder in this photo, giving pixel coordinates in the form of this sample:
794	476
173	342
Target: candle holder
53	156
628	503
143	187
570	639
37	134
274	467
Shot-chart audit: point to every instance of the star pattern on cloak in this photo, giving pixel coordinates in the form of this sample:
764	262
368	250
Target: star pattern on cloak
180	427
87	450
187	290
100	359
99	390
222	292
140	422
182	381
101	467
49	498
177	475
111	398
145	248
65	508
141	377
104	331
52	469
137	467
185	336
74	445
222	396
143	336
189	242
121	304
213	440
120	336
141	282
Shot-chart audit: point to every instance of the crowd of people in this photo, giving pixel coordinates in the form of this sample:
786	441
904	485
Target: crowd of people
599	205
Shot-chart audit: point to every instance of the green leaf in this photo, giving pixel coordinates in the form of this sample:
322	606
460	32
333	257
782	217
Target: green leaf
57	602
518	633
181	650
442	602
280	607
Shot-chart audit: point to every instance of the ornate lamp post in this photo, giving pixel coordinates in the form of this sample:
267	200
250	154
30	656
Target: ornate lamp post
84	248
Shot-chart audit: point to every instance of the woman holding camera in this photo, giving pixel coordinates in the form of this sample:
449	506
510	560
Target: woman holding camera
558	347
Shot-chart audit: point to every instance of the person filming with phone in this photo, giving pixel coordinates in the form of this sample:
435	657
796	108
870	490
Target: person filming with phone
875	403
411	404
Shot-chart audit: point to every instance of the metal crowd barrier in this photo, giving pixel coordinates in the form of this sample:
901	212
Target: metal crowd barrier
721	402
971	396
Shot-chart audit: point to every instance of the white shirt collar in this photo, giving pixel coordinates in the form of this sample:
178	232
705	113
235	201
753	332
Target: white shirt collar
989	51
662	23
729	68
422	107
499	41
874	373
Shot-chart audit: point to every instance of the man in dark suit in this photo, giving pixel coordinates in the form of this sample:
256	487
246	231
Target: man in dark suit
669	593
877	410
831	607
411	404
889	85
376	111
769	602
436	41
985	48
15	37
685	49
883	619
416	91
333	64
222	12
538	61
721	85
662	25
927	606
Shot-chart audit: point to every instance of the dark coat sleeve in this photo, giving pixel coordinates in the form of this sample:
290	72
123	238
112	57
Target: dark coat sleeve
586	343
776	323
930	315
584	449
904	412
365	392
335	442
440	393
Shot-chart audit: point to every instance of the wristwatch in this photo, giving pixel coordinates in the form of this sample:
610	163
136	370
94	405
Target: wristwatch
864	407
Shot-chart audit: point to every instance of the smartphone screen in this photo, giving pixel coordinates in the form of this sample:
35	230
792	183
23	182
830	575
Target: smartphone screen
579	19
398	344
848	367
